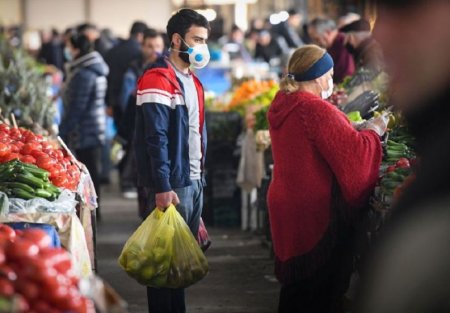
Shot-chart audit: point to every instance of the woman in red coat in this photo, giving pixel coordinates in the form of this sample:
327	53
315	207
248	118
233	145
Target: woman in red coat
324	171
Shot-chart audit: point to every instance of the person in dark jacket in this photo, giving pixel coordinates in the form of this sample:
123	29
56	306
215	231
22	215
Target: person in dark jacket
267	47
409	268
365	49
83	124
118	59
323	32
170	134
290	28
52	51
152	49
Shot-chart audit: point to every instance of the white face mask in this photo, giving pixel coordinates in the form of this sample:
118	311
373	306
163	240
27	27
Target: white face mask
325	94
199	55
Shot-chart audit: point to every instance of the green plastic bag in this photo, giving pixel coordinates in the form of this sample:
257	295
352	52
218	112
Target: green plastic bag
162	252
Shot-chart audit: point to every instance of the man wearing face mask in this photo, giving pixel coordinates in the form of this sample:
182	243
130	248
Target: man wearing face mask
324	171
170	134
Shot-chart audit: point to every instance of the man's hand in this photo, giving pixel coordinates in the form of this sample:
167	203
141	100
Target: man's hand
165	199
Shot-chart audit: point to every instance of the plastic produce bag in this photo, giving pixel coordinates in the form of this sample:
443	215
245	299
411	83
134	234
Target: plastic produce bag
203	237
162	252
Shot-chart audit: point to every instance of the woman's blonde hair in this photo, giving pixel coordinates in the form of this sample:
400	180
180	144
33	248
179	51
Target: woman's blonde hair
301	60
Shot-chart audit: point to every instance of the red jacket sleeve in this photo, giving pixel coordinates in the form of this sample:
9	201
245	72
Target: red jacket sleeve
353	156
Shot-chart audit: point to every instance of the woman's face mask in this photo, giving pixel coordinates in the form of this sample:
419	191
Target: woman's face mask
197	55
326	93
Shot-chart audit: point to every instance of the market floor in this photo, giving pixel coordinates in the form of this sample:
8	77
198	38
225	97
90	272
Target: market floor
240	278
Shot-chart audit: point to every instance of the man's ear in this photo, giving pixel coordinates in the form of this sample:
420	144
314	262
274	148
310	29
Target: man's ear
176	40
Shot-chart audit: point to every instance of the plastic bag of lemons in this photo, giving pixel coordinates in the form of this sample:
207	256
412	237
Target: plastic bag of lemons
162	252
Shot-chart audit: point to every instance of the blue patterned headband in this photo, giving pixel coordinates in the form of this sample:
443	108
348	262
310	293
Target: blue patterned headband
320	67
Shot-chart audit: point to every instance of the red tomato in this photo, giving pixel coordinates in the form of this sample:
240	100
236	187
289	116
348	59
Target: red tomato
28	289
403	163
74	279
21	249
2	256
390	168
40	306
6	288
10	157
14	147
8	231
45	162
56	257
4	149
15	134
27	148
19	145
22	304
60	181
38	237
59	298
47	146
37	153
7	272
27	159
4	128
59	154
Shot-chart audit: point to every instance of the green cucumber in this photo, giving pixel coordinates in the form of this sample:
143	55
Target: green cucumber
43	193
30	180
20	193
19	185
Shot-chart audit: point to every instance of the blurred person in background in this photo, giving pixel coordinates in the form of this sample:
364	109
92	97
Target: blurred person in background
365	49
52	50
234	45
324	171
267	48
83	122
118	59
89	30
347	19
152	48
324	33
290	29
409	270
105	41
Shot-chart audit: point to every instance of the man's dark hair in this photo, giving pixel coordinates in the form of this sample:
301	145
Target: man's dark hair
81	42
361	25
293	11
181	21
151	33
138	27
84	27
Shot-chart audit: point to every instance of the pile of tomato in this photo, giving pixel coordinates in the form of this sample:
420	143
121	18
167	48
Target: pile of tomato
38	276
22	144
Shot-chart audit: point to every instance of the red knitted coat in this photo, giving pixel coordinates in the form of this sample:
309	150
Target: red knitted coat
314	145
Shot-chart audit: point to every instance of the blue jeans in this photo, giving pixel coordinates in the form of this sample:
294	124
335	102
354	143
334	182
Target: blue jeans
169	300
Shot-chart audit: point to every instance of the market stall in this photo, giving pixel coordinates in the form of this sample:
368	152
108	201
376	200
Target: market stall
47	202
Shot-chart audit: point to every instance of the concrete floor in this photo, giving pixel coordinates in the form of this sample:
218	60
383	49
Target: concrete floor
241	272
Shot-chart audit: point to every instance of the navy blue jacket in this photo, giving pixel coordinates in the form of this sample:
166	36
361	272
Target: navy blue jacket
162	129
84	122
